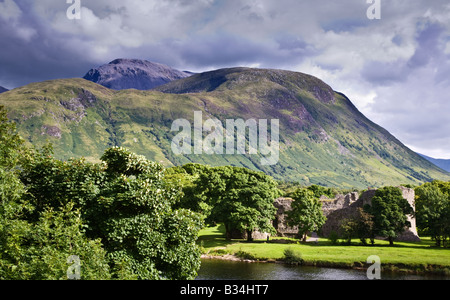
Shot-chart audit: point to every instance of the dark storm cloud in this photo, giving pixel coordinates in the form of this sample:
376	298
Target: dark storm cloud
32	51
396	70
225	49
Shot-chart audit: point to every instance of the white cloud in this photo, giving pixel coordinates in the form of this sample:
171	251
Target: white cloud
9	10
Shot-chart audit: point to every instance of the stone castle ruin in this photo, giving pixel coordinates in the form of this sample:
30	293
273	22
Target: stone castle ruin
341	208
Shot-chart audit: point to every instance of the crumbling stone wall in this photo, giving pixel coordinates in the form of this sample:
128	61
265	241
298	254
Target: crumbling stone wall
341	208
283	205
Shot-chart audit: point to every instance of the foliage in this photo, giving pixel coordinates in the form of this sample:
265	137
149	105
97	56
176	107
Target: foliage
359	226
322	191
333	237
240	198
389	210
292	256
11	144
433	210
185	178
306	212
124	203
39	250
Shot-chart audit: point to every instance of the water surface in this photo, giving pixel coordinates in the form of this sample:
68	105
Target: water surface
214	269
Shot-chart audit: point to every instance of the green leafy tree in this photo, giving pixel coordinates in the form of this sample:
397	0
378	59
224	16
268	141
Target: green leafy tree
140	227
184	178
306	212
12	147
389	210
240	198
360	225
36	245
39	250
433	210
365	226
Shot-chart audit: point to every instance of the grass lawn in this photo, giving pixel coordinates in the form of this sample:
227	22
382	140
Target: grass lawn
416	256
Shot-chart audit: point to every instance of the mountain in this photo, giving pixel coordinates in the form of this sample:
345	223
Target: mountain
137	74
444	164
2	89
323	137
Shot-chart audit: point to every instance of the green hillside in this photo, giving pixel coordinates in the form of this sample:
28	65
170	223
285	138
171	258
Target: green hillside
324	139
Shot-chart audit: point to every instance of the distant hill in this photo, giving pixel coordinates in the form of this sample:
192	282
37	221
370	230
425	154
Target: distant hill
324	139
444	164
137	74
2	89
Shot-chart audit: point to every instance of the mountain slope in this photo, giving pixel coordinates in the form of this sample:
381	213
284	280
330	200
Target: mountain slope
2	89
324	139
137	74
444	164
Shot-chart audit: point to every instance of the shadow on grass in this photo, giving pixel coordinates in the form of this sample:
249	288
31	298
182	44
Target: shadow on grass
214	237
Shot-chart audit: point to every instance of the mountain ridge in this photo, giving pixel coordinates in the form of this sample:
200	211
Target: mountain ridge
444	164
324	139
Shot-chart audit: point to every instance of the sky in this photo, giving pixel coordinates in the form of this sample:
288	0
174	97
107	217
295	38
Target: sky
395	67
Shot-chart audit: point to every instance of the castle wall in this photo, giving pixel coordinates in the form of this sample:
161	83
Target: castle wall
340	208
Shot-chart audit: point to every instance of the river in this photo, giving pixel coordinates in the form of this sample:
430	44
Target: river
214	269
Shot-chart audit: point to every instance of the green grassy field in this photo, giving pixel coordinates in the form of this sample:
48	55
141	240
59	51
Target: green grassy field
417	257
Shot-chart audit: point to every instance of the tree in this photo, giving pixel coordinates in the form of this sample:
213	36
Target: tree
184	178
433	210
306	212
389	210
36	245
240	198
360	225
365	226
12	147
39	250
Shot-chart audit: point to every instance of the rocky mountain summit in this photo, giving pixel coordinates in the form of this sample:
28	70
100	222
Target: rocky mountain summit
121	74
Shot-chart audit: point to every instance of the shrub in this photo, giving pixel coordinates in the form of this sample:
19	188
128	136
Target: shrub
333	237
292	256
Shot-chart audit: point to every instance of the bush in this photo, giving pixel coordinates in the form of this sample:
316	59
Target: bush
292	256
333	237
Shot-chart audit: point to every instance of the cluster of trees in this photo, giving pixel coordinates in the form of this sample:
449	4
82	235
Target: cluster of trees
119	216
239	198
125	218
387	217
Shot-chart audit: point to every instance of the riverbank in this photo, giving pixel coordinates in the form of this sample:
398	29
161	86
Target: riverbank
412	258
